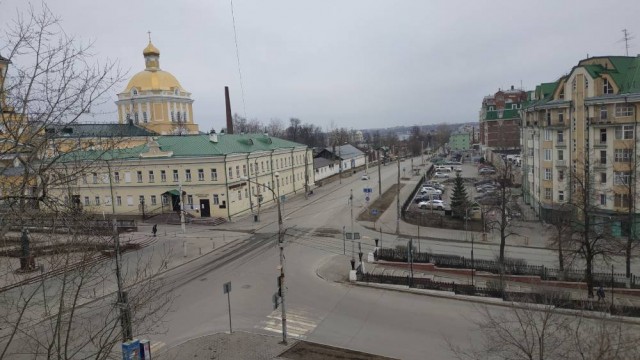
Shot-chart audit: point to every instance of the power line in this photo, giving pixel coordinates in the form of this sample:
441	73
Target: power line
235	36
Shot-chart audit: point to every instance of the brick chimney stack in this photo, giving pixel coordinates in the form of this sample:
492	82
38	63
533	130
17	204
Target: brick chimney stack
228	105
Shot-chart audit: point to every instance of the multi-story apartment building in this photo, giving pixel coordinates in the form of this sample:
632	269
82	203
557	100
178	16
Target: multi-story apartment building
500	119
460	141
579	141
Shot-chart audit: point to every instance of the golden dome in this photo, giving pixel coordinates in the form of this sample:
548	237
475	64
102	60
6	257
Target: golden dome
150	50
153	80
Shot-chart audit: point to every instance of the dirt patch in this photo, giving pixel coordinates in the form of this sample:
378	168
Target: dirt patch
303	350
381	204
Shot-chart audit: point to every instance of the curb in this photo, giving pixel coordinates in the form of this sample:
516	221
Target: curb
290	343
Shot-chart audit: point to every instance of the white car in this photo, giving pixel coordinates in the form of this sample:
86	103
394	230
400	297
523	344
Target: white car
443	168
430	191
441	175
364	177
432	204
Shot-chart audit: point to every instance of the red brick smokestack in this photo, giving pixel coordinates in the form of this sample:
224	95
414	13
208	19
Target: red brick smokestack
228	105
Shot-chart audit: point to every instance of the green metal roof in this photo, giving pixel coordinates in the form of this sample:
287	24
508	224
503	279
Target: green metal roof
192	146
506	114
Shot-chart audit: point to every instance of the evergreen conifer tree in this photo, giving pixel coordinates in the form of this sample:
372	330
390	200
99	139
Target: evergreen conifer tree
459	197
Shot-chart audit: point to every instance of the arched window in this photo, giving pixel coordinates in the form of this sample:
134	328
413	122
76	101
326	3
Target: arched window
134	91
176	92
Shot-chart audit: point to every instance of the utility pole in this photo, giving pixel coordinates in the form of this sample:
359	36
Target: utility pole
281	245
125	312
422	152
379	176
353	251
398	197
340	167
306	174
182	225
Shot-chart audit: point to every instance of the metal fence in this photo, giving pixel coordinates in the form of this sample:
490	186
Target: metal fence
511	267
555	298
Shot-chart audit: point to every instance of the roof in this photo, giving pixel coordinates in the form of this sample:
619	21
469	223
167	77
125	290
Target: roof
95	130
150	50
347	151
194	146
2	58
153	80
321	162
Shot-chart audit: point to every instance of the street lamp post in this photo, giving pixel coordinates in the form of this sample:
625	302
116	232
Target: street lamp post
281	246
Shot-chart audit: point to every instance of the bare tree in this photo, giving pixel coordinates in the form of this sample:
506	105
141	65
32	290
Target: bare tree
532	331
53	81
275	127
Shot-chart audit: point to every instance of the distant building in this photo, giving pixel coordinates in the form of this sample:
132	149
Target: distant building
348	157
460	141
500	119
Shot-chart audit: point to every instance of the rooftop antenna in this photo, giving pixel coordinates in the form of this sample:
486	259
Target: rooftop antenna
626	38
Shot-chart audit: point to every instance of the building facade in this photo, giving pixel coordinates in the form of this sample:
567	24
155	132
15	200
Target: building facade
460	141
213	175
580	139
500	119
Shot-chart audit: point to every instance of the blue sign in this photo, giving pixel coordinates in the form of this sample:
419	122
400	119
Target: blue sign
367	190
131	350
374	211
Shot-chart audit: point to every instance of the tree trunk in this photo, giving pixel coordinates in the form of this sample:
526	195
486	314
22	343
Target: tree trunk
589	276
560	255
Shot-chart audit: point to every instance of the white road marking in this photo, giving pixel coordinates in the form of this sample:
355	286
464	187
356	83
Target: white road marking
299	323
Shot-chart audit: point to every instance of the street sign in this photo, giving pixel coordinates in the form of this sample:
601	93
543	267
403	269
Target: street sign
356	236
348	235
367	190
283	198
374	212
352	236
227	287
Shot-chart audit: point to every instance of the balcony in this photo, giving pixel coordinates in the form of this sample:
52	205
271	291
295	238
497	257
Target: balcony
599	121
599	164
599	143
561	144
561	163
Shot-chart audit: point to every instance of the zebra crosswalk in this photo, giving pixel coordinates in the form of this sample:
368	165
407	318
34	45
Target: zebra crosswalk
156	345
299	322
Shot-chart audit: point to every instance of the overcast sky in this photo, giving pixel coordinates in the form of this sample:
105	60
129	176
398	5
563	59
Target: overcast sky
357	64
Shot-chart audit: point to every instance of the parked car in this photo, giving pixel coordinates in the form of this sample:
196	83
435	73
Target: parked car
441	175
483	182
486	171
458	169
432	204
486	188
430	191
364	177
443	168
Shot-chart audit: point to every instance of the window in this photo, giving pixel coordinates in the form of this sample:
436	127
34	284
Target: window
262	166
216	199
189	199
187	175
548	193
573	84
134	92
251	168
548	118
129	200
547	174
560	117
621	177
586	83
214	175
141	199
97	199
246	192
184	116
179	116
107	200
622	155
230	172
624	110
547	135
152	177
163	176
244	170
560	175
560	136
603	136
144	117
603	157
175	175
560	195
603	112
165	200
153	200
624	132
603	178
95	177
139	175
607	88
87	202
560	155
239	195
116	177
547	154
173	119
119	200
621	200
200	174
127	177
603	199
135	116
237	170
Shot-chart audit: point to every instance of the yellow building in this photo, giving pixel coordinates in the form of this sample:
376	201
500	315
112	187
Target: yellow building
155	100
583	129
218	175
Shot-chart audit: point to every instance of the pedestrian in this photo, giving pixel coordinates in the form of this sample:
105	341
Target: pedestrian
154	230
600	293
